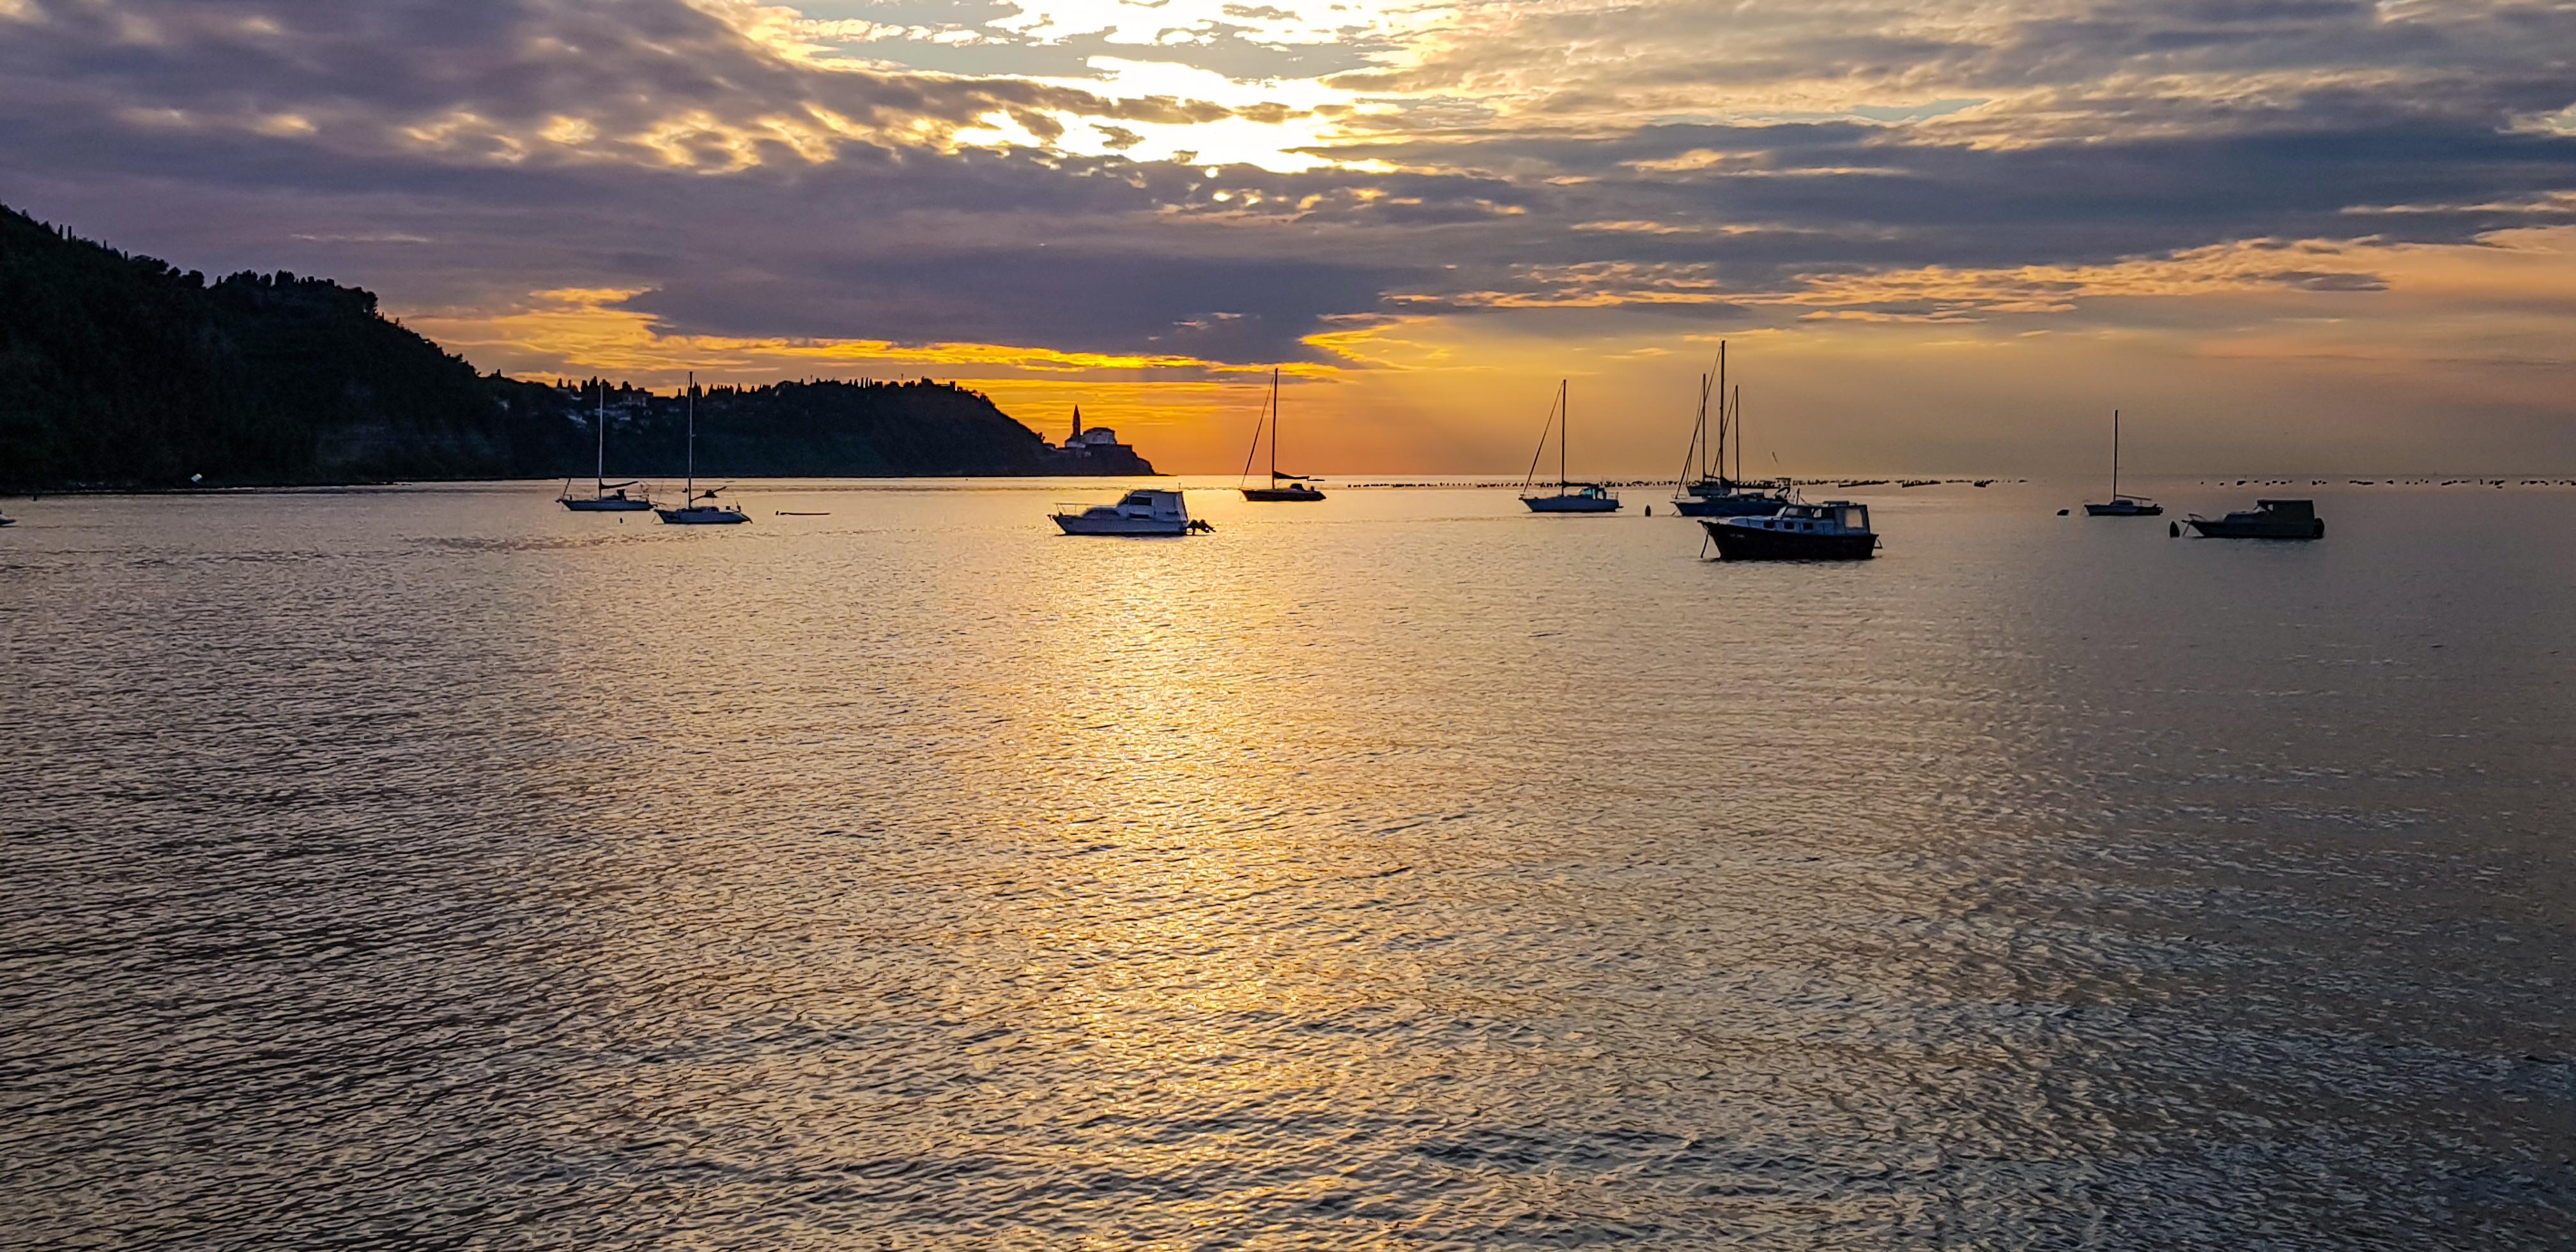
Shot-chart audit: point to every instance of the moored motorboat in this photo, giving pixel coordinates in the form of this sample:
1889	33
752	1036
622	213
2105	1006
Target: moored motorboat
1570	497
1834	531
2268	519
1147	511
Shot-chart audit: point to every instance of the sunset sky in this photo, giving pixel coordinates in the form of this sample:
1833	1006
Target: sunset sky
1942	236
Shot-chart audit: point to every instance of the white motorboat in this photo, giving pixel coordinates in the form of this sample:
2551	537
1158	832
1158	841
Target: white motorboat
605	496
691	512
1570	497
1147	511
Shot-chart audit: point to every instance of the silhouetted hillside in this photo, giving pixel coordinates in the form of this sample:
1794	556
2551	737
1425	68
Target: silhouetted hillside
120	370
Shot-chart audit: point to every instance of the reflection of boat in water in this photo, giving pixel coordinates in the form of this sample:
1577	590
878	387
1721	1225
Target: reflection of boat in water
2120	505
1144	512
1297	488
1834	531
1704	493
605	497
2268	519
1570	497
691	512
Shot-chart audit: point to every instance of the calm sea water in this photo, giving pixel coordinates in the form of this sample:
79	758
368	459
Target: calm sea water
434	867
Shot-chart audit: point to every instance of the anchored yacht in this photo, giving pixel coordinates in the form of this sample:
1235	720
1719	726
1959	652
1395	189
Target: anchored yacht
1143	512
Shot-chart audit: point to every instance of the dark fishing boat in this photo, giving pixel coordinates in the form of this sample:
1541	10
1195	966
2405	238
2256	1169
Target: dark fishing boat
2268	519
1834	531
1297	488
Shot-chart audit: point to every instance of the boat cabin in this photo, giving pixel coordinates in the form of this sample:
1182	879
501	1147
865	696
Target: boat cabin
1836	517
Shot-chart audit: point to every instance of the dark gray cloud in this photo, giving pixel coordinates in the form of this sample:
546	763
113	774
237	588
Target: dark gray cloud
312	136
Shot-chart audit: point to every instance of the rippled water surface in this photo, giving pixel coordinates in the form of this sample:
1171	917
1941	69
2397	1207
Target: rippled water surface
436	867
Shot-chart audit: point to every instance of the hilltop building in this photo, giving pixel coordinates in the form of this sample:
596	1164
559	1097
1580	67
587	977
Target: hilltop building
1098	441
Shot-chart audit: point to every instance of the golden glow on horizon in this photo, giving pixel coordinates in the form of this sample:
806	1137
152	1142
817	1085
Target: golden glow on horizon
1446	392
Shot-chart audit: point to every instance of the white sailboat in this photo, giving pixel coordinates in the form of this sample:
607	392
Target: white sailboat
1296	490
1570	497
605	497
2120	505
691	512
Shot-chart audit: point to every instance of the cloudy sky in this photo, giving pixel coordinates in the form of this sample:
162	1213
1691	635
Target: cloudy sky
1941	236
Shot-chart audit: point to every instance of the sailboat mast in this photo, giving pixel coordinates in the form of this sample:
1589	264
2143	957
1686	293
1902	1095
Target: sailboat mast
2115	454
1739	433
1721	409
691	485
1564	428
1274	426
599	467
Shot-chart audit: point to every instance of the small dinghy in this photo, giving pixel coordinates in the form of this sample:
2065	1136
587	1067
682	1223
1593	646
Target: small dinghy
1834	531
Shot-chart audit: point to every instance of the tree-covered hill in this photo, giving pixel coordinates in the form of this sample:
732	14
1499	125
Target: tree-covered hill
124	371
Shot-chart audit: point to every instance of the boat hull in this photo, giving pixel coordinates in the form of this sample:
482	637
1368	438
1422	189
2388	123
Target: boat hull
702	516
1280	495
1075	524
2313	528
1743	543
610	505
2124	510
1570	504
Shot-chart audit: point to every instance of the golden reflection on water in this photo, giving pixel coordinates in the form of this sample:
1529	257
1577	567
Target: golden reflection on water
1398	870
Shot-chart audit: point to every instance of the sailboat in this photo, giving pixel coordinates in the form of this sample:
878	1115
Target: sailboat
1274	493
2120	505
1717	495
1570	497
605	497
691	512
